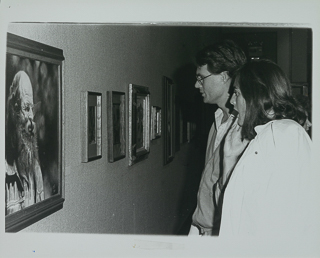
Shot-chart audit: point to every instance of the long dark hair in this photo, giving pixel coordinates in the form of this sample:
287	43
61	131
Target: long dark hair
267	92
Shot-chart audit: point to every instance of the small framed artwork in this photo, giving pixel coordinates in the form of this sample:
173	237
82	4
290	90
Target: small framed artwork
155	122
168	119
191	129
91	125
177	124
139	123
116	125
34	153
299	89
181	122
184	131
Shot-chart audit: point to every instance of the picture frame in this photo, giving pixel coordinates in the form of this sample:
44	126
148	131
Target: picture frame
184	131
91	131
116	125
34	91
139	123
181	127
177	124
155	122
300	89
191	130
255	45
168	119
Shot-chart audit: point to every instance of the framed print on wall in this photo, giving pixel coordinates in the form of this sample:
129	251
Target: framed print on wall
34	154
299	89
155	122
191	130
168	119
139	123
158	122
116	125
91	125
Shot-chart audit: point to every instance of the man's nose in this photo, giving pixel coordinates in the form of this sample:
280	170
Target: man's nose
31	114
30	125
233	99
197	85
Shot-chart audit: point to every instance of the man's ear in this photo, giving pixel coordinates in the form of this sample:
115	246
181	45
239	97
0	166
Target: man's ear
224	76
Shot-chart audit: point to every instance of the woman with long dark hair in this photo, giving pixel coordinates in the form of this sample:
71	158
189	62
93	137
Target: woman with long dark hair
268	192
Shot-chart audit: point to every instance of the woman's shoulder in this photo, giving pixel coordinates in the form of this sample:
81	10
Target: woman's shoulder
282	127
285	132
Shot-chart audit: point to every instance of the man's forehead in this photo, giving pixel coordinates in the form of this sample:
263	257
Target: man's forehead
25	88
27	99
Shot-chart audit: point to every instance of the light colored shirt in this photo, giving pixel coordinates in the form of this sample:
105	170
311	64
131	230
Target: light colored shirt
269	190
204	212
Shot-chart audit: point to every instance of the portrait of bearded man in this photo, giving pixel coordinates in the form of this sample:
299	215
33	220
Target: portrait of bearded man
24	180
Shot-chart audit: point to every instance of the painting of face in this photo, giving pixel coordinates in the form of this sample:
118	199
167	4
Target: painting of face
239	102
32	131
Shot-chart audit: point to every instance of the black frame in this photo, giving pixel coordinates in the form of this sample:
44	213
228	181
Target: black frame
91	102
168	127
116	140
138	153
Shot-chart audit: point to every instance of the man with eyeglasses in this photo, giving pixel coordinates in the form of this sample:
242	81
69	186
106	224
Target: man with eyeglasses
216	65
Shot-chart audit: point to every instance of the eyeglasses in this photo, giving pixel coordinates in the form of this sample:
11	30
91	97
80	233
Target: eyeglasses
200	79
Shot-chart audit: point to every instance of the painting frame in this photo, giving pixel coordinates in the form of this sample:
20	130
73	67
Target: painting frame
191	131
139	123
155	122
40	64
91	125
168	120
116	106
300	89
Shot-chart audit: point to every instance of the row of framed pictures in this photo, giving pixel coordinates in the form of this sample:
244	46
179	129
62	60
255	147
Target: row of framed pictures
37	70
144	123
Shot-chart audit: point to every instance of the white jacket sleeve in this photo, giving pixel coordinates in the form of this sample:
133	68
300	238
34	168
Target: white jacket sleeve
285	207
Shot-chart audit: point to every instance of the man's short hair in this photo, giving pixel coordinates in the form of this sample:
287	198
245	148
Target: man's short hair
221	56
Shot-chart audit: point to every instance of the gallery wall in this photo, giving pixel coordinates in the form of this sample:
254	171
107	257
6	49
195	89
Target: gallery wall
103	197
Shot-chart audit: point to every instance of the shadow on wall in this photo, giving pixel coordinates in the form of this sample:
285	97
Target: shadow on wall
187	96
191	104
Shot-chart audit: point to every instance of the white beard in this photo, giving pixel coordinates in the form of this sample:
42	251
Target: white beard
27	147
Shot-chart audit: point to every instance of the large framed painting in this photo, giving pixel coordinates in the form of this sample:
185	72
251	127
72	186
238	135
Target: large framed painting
139	123
91	125
168	119
116	125
34	170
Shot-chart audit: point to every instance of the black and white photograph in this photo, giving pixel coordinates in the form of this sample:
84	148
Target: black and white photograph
181	129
